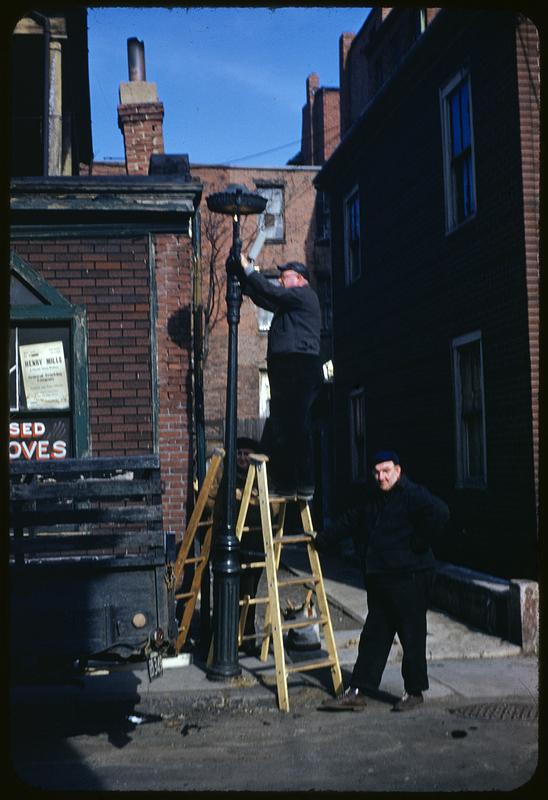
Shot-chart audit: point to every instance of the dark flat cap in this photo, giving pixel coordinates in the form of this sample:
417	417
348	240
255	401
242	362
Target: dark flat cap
296	266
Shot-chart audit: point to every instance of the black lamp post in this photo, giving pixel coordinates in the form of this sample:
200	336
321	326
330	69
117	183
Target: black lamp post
238	201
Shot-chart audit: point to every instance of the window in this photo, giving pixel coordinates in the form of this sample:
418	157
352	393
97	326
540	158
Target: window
458	151
272	218
264	394
357	434
471	468
323	217
47	370
264	317
352	237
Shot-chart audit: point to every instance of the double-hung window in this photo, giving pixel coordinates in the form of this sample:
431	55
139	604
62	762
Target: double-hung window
471	463
352	246
458	151
357	434
272	218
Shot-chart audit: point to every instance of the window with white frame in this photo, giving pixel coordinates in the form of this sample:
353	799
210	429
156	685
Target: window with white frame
471	464
264	317
272	218
264	394
357	434
352	259
458	151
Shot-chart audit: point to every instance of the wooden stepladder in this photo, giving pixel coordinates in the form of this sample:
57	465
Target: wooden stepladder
202	517
274	540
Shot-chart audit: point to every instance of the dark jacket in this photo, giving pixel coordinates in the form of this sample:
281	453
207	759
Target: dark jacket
295	327
392	531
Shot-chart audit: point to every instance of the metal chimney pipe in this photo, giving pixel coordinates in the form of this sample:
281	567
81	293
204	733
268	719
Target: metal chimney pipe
136	59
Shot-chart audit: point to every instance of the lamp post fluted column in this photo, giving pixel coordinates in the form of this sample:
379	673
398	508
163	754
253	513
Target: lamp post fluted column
237	200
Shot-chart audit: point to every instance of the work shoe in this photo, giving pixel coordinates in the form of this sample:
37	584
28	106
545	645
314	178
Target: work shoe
352	700
409	701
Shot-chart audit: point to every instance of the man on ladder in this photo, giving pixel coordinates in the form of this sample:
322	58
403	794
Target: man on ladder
294	373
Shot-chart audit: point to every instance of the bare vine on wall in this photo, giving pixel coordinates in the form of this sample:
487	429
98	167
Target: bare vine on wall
217	232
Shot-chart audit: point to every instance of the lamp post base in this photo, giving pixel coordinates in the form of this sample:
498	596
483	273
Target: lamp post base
219	673
226	587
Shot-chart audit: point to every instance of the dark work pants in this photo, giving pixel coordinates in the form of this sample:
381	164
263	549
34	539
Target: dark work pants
396	604
287	439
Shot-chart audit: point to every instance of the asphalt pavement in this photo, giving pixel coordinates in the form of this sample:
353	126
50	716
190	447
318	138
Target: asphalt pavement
112	728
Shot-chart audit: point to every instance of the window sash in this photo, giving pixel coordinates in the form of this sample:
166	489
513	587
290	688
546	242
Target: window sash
352	237
272	218
458	151
357	434
471	467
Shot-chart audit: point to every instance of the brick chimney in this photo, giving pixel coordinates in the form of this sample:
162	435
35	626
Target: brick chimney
140	114
345	42
307	141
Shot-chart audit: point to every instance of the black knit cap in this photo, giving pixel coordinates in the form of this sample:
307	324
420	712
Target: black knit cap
296	266
385	455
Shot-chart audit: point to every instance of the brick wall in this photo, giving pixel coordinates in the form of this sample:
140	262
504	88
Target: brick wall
326	127
527	49
141	126
173	255
110	277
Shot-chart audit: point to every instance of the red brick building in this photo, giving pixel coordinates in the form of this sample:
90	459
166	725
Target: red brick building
434	195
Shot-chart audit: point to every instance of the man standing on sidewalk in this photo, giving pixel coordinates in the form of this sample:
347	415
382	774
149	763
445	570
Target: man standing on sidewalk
395	526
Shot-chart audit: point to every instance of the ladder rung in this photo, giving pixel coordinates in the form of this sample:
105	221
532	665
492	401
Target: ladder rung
255	528
306	537
305	623
253	565
184	594
298	581
205	522
193	560
304	666
254	601
249	636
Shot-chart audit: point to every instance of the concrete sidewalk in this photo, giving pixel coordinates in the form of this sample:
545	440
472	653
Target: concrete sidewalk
464	664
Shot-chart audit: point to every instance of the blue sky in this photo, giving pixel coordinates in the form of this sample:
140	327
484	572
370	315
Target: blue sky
232	80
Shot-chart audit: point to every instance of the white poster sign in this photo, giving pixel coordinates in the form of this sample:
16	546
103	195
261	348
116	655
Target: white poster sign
44	375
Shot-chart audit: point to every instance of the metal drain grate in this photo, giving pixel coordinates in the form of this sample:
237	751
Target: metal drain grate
526	712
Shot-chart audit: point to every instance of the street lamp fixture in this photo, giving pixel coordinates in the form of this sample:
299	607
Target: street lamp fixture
237	201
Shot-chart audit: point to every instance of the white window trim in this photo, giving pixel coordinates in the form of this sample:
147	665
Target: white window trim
264	394
463	482
358	392
450	213
265	191
15	368
348	279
